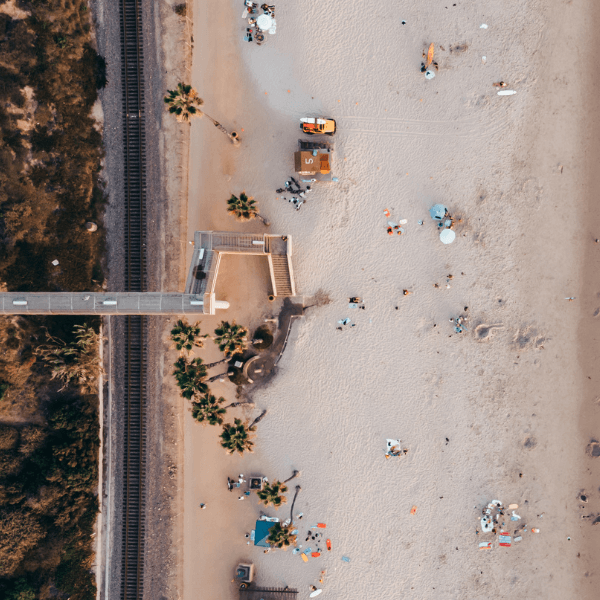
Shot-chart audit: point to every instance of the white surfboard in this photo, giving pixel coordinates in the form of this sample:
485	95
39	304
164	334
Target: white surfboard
506	93
315	593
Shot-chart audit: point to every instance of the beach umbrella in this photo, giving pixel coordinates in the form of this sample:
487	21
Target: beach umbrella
264	22
438	211
447	236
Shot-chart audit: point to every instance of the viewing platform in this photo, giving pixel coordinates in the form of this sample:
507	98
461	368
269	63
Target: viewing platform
210	246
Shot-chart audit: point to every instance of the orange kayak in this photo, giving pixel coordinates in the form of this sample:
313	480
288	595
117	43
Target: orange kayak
304	557
315	554
328	544
321	525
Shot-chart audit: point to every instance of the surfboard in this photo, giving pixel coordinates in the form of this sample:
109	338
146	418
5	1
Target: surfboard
315	593
304	557
328	544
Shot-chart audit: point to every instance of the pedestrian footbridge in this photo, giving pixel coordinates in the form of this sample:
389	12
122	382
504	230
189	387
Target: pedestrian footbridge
199	296
117	303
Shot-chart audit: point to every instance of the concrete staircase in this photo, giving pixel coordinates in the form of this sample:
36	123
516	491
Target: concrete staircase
282	280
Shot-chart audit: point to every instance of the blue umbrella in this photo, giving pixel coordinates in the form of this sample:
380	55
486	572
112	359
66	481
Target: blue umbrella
438	211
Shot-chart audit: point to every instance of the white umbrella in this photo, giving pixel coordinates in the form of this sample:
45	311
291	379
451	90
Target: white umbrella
264	22
447	236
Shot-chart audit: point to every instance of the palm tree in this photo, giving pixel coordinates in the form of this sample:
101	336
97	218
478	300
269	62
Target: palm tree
236	437
244	208
294	474
185	336
259	418
272	494
208	409
281	536
210	365
231	338
219	376
190	377
298	489
184	102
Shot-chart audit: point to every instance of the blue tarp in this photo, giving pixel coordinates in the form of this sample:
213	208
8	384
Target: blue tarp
262	533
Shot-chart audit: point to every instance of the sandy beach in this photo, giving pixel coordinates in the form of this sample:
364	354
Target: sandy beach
504	410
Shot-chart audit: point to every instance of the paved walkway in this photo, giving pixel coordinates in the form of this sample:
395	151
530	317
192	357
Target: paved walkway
90	303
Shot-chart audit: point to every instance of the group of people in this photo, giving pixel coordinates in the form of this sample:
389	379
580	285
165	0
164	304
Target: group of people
298	197
253	32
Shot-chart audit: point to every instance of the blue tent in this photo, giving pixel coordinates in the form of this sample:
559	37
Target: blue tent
261	533
438	211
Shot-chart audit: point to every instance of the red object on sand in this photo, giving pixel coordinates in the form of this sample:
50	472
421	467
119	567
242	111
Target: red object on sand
321	525
413	510
328	544
315	554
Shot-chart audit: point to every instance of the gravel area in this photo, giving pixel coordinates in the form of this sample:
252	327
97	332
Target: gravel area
166	58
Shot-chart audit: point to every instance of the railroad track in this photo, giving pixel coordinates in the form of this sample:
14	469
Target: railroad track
132	573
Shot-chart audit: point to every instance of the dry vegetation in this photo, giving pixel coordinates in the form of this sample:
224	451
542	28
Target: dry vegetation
51	151
49	187
48	468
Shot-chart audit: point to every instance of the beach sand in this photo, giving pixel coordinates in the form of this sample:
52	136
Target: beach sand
503	412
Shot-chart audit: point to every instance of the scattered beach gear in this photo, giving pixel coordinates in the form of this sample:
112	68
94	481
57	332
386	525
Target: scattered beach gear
328	545
413	510
459	324
392	445
394	448
485	545
346	558
315	554
447	236
304	557
504	539
429	74
506	93
315	593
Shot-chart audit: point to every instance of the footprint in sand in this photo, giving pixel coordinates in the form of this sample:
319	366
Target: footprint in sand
485	331
528	337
